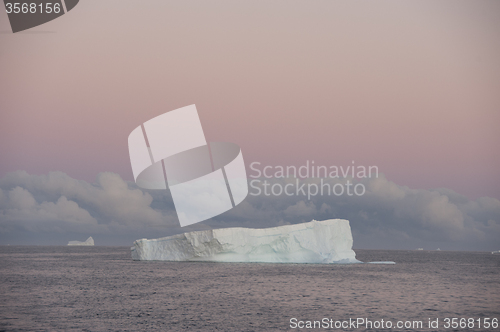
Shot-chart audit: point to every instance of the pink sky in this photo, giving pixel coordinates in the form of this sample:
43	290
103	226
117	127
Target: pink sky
412	87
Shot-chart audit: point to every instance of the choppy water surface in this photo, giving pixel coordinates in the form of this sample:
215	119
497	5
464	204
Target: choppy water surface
101	289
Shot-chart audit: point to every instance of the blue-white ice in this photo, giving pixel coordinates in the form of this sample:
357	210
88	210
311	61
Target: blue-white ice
328	241
88	242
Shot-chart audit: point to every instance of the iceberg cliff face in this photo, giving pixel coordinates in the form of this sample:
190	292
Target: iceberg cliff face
328	241
88	242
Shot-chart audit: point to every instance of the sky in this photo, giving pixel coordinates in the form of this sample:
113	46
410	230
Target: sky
411	87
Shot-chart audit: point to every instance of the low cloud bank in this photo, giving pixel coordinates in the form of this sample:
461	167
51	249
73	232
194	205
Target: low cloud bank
387	216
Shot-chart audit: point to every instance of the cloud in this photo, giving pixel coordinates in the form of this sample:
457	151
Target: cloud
57	202
386	216
301	209
19	208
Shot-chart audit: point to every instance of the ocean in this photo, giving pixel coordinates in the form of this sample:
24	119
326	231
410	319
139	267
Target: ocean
101	289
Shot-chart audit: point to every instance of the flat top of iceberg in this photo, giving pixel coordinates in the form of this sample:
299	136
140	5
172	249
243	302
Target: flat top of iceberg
277	230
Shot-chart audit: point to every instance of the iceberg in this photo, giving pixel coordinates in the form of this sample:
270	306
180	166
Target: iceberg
496	252
328	241
88	242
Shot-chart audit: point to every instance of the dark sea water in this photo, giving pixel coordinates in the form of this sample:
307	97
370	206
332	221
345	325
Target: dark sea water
102	289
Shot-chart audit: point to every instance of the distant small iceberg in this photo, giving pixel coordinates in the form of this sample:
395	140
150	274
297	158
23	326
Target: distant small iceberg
438	249
420	249
88	242
496	252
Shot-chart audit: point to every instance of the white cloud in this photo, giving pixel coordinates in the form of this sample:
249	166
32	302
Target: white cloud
59	202
20	209
301	209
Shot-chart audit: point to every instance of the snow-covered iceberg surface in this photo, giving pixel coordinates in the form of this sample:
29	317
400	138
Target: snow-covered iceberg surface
88	242
328	241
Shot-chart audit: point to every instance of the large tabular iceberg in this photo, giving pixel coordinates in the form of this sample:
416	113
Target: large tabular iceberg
328	241
88	242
